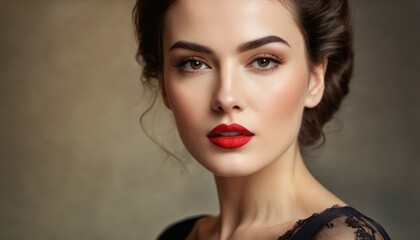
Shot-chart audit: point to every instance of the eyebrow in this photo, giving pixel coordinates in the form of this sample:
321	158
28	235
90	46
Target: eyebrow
242	48
260	42
191	46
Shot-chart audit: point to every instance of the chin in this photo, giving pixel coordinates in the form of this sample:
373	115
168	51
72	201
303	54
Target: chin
230	173
230	167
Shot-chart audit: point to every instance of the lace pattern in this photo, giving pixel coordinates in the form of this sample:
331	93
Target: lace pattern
364	230
361	228
335	223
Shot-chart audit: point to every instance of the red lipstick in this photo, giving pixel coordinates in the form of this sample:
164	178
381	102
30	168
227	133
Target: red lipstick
230	136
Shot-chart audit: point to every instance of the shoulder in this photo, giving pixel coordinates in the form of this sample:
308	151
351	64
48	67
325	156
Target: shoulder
179	229
351	227
338	223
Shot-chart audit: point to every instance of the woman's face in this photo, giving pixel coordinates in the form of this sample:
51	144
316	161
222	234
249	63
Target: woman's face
237	62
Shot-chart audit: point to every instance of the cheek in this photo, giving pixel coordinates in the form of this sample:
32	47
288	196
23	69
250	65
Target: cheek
190	108
284	101
282	107
189	101
184	110
288	102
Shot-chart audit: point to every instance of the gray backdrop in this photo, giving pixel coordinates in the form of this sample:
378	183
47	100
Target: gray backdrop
74	163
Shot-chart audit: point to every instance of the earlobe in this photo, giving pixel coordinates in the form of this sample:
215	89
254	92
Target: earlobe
316	85
163	91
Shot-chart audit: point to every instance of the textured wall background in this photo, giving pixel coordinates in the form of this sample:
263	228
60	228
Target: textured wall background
74	163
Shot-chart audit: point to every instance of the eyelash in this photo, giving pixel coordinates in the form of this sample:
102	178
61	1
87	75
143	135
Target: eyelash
270	57
187	59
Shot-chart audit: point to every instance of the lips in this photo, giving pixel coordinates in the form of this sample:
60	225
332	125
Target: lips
230	136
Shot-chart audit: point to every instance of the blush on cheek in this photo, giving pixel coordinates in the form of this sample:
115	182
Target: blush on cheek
181	111
185	109
186	102
289	98
292	100
286	112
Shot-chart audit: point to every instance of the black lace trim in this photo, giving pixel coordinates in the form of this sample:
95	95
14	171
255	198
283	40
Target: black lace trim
364	231
362	228
301	222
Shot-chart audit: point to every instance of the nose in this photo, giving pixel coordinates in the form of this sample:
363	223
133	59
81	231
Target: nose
229	93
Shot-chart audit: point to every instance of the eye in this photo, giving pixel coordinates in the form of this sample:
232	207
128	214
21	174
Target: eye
265	63
191	65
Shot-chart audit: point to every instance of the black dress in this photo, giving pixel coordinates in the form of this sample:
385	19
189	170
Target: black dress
333	224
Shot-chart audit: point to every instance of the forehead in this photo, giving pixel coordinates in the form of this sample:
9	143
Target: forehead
226	23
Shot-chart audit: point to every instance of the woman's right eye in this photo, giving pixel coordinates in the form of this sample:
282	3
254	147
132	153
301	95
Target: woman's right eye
192	65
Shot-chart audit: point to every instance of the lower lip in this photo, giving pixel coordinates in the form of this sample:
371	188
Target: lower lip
230	142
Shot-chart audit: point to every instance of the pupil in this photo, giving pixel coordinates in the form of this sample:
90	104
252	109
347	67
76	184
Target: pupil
263	62
196	65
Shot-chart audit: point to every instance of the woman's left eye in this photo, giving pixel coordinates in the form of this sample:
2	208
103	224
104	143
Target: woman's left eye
265	63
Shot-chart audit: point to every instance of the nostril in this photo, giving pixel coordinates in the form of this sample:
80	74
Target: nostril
225	105
220	109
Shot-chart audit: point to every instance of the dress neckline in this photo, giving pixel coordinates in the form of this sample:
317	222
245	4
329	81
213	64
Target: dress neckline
298	224
301	222
306	228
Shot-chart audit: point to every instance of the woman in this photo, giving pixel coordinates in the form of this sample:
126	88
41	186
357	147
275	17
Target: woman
251	84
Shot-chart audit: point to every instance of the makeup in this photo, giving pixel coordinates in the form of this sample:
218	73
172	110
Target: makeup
256	77
230	136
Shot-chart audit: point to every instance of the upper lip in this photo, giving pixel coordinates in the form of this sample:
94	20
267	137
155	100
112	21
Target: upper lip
229	130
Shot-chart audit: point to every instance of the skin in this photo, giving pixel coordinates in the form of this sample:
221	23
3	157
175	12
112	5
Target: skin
264	186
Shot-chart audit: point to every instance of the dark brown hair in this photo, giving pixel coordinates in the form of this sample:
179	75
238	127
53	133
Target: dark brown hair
326	27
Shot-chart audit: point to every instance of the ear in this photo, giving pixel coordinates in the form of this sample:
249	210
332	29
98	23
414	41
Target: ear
316	84
163	91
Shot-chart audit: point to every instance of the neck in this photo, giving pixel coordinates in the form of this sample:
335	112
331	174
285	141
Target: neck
266	198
